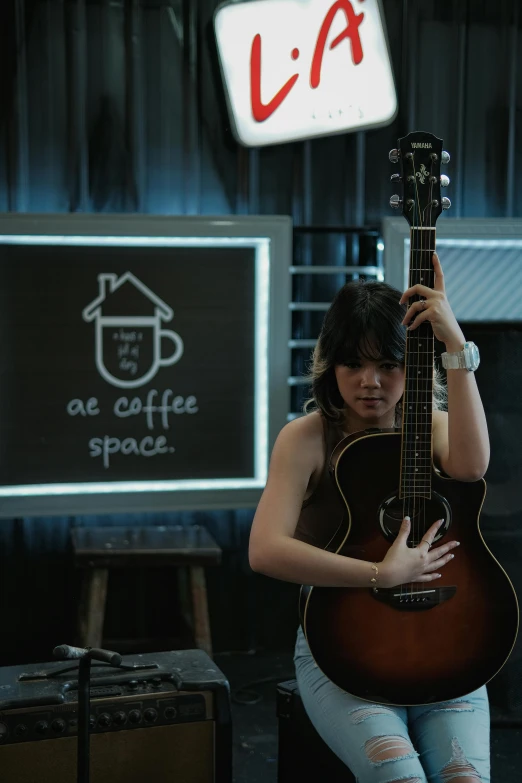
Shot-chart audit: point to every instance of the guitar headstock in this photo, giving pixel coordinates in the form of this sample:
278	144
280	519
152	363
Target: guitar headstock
420	156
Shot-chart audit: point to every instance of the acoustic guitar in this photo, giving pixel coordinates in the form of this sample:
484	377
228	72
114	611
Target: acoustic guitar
417	643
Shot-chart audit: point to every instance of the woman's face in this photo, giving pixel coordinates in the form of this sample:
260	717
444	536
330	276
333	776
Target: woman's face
371	389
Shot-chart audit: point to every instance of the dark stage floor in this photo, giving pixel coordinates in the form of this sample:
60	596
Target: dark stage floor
255	724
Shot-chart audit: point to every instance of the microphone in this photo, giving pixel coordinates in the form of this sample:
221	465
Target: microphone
64	652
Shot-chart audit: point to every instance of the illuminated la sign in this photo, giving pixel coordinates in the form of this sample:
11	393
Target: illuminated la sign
295	69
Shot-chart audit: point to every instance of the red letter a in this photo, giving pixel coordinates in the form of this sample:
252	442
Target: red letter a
351	32
260	110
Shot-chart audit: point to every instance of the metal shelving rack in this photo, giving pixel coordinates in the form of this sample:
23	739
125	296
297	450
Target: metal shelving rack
325	258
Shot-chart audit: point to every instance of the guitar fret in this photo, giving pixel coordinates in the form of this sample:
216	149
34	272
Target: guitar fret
416	456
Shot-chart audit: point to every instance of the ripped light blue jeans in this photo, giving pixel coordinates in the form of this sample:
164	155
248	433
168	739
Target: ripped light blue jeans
439	743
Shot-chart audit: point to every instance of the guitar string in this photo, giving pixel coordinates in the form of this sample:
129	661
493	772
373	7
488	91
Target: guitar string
408	509
416	257
429	336
414	498
424	251
426	266
418	401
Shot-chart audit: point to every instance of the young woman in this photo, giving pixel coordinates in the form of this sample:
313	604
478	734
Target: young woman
358	382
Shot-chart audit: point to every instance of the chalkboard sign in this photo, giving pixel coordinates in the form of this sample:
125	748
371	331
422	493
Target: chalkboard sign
144	362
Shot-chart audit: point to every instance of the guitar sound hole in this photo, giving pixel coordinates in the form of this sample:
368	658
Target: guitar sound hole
423	512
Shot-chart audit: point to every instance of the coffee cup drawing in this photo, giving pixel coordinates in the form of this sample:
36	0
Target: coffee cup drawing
128	348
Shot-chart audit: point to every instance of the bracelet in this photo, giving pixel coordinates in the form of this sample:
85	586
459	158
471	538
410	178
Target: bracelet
373	580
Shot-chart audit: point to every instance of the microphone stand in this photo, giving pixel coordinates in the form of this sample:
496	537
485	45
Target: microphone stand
84	712
85	655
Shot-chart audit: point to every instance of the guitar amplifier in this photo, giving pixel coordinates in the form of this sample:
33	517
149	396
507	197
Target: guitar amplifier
161	717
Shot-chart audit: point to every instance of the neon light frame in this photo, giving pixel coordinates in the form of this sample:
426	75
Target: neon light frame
152	494
494	233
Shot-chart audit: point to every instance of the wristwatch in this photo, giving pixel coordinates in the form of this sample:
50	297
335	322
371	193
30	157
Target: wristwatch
467	359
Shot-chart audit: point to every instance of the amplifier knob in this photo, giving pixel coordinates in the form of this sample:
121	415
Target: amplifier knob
134	716
58	726
119	718
170	713
20	730
133	684
4	731
151	716
92	722
41	727
156	681
104	719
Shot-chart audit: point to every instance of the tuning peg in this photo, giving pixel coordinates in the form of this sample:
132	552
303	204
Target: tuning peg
395	178
445	158
444	181
395	202
393	155
446	203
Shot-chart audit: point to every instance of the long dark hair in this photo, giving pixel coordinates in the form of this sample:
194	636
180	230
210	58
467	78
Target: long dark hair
364	320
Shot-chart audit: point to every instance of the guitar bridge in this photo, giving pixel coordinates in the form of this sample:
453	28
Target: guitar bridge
411	600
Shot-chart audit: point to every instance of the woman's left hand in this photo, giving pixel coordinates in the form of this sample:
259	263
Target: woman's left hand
435	308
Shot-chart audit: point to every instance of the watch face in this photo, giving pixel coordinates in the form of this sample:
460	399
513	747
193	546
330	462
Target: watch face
472	355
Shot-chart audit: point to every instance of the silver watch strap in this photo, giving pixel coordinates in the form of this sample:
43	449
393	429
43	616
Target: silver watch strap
454	361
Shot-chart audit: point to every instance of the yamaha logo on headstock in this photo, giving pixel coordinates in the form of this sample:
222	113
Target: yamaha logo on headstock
420	156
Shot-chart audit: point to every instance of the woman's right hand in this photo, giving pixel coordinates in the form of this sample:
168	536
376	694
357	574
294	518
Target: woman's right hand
421	563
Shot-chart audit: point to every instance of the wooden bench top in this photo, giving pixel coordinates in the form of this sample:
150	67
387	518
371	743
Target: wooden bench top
121	546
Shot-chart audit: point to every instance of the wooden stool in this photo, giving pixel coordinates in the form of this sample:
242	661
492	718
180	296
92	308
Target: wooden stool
96	549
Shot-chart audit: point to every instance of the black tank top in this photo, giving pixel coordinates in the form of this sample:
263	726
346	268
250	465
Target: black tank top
322	512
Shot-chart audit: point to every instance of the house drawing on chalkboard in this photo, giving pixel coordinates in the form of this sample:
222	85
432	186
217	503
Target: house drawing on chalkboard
128	334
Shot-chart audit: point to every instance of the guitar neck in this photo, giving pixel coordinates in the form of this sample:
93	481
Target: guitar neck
418	388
